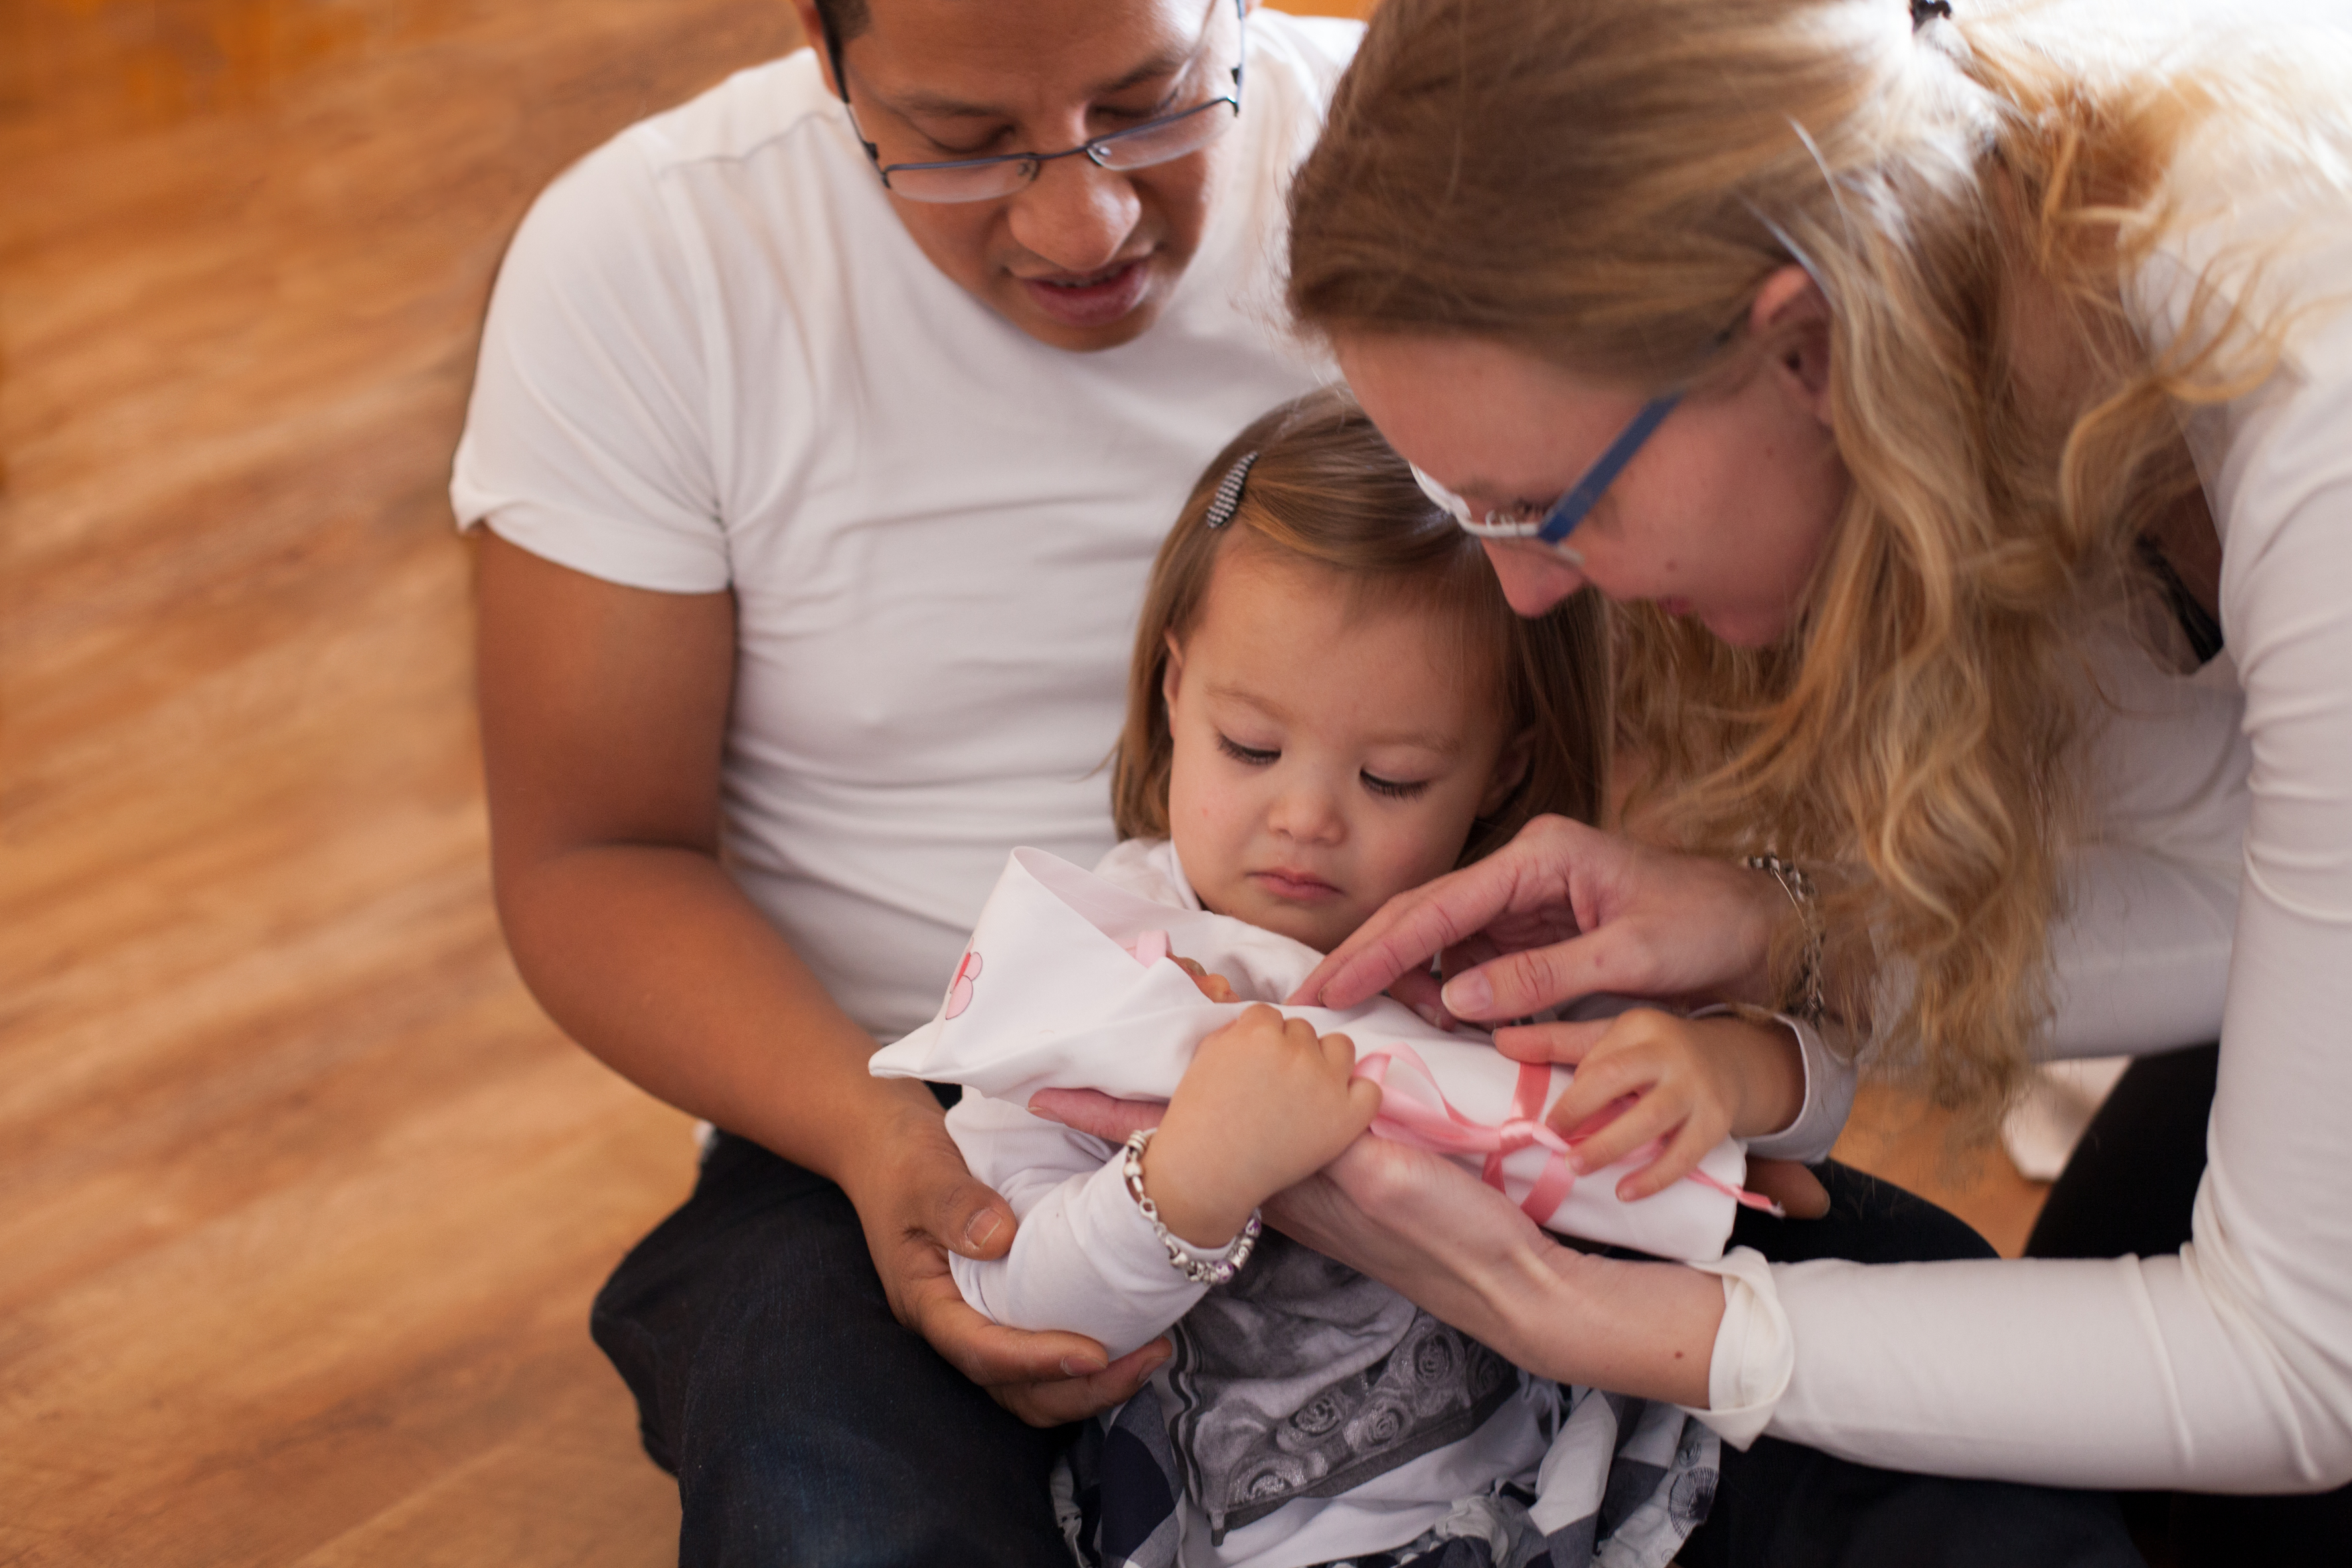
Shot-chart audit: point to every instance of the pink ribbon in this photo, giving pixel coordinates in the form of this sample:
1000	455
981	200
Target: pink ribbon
1445	1130
1442	1130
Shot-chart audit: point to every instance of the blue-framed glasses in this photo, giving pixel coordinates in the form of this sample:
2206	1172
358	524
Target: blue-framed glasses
1160	140
1554	525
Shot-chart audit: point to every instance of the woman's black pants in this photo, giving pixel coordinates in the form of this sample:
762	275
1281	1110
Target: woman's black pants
2127	1192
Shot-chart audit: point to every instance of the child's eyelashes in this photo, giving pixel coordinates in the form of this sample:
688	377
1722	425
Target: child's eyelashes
1266	756
1393	789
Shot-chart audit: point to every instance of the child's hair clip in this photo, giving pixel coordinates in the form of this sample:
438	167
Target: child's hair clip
1228	498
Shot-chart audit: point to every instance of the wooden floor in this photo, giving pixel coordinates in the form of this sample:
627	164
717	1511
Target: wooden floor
304	1201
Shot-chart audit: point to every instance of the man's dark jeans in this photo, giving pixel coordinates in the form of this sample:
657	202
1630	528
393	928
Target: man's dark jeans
804	1423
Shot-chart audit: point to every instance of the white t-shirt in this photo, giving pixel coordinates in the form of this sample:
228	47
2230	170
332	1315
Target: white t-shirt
716	360
2228	1367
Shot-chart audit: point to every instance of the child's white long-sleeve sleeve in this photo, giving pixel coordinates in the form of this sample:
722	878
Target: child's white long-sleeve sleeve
1083	1259
1829	1097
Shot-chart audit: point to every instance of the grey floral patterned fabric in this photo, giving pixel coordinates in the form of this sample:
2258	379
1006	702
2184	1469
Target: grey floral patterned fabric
1304	1379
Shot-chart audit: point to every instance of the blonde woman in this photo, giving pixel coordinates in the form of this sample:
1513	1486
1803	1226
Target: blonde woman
1933	388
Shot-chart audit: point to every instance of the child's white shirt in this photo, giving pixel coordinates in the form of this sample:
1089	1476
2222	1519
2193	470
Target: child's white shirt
1085	1260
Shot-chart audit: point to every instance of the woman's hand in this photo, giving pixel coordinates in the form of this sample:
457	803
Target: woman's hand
1090	1110
1647	1076
1563	910
1420	1223
917	1201
1435	1234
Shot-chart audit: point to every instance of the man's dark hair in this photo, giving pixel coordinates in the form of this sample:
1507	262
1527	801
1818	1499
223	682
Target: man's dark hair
845	19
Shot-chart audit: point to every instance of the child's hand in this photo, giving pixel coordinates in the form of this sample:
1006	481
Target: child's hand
1265	1104
1215	988
1647	1074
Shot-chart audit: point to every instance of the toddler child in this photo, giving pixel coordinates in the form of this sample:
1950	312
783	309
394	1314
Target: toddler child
1330	703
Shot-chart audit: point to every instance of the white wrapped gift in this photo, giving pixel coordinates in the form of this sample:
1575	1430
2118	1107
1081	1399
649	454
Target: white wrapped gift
1065	985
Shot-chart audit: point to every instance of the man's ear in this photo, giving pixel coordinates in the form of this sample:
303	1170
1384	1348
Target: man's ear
812	34
1791	318
1510	772
1171	676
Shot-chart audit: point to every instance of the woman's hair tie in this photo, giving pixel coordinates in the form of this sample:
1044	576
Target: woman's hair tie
1228	498
1924	11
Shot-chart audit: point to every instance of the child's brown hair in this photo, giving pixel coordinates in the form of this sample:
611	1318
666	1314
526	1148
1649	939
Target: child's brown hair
1325	489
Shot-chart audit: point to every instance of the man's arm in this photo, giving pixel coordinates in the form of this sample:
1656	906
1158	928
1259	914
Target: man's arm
604	722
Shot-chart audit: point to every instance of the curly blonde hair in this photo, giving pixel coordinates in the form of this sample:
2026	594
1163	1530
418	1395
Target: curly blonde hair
1605	184
1326	491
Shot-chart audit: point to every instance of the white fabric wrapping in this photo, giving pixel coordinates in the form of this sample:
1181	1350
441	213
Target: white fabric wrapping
1050	996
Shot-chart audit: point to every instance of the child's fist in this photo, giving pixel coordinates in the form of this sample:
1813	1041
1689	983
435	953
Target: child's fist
1647	1076
1266	1102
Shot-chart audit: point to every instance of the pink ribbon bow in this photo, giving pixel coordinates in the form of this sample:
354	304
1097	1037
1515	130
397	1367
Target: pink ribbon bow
1442	1130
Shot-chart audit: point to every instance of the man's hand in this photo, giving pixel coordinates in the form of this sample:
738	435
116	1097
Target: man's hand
916	1200
1092	1112
1797	1190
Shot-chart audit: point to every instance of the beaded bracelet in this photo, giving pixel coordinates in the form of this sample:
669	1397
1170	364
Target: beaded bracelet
1809	1005
1216	1271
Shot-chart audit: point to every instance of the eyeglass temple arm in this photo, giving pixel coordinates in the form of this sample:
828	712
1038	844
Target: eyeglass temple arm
832	56
1604	471
841	87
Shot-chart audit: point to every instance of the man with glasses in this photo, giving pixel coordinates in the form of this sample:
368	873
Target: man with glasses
823	433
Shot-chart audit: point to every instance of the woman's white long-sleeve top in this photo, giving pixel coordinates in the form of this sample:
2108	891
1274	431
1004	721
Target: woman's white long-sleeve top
2217	900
